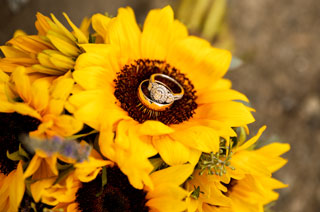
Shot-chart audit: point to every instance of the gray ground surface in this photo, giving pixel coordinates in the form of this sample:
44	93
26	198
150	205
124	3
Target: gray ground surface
280	43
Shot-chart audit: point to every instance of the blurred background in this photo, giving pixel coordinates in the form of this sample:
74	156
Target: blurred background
277	46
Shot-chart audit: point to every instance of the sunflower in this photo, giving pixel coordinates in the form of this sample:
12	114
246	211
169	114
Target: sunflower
247	186
130	132
11	173
32	107
54	183
118	194
52	51
42	99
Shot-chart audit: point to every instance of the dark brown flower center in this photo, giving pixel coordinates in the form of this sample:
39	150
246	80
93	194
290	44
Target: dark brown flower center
117	195
12	126
28	205
127	84
230	186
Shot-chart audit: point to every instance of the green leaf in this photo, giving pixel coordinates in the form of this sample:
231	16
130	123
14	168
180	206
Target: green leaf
74	137
15	156
62	167
92	39
28	183
23	153
241	135
104	176
103	180
156	163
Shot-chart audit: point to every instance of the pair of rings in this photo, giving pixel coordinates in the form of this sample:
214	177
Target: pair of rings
161	95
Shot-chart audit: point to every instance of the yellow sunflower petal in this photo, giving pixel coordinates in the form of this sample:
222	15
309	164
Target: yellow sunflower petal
22	83
168	149
219	96
67	125
159	31
81	38
221	128
202	138
51	162
62	29
42	24
274	149
124	32
122	138
44	60
106	142
40	94
10	51
192	204
139	176
62	88
61	62
199	61
17	187
221	84
97	48
24	109
6	107
271	153
85	25
233	113
152	128
130	150
46	70
88	107
246	162
33	166
38	188
94	106
167	194
94	77
87	171
30	44
100	25
252	141
19	32
63	45
3	77
168	190
175	174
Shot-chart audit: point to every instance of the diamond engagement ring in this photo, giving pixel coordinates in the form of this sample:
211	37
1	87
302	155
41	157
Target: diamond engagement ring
161	92
161	96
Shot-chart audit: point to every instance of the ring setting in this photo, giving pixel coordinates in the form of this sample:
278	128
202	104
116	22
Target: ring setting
160	96
160	93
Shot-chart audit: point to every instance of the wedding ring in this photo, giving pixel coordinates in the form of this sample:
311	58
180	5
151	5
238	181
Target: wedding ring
150	103
160	95
160	92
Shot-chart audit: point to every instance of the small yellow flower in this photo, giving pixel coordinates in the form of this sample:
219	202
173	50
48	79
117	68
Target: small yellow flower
119	195
53	51
42	98
43	170
247	187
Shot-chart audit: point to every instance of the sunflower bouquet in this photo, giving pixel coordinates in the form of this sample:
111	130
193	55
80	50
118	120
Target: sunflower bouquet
127	118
